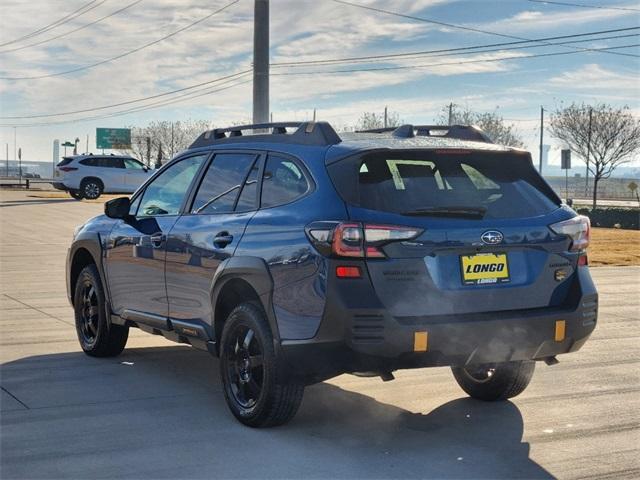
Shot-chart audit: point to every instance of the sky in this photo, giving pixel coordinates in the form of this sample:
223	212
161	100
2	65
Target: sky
514	82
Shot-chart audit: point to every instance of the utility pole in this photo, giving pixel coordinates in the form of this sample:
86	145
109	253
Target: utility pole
586	185
450	113
87	144
15	150
261	61
541	137
386	117
7	159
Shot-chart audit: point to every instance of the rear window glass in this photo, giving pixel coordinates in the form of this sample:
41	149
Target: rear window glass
65	161
502	185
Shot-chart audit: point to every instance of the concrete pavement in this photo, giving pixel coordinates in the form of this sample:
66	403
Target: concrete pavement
158	411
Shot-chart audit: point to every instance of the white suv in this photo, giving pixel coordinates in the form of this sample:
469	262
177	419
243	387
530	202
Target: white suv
88	176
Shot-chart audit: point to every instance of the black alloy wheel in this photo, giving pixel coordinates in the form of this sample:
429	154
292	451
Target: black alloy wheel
88	324
245	366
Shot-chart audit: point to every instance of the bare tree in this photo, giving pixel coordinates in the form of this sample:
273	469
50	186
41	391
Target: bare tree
371	120
609	139
490	122
166	137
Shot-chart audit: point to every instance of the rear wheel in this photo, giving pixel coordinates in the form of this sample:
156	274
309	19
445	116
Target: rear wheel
77	194
98	337
495	381
91	188
250	371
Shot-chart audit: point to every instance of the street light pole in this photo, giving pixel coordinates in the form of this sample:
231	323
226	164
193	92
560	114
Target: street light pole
261	61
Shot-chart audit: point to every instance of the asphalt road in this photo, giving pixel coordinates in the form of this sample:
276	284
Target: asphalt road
157	411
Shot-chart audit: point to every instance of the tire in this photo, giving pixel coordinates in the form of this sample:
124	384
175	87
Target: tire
97	336
250	371
91	188
497	381
77	194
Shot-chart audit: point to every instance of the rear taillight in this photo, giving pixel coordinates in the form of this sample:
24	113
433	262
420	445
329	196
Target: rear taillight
578	229
67	169
357	240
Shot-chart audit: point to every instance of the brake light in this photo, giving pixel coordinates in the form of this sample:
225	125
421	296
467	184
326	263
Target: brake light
357	240
67	169
578	229
348	272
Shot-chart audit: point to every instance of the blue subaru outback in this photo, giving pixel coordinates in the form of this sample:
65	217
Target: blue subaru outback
295	255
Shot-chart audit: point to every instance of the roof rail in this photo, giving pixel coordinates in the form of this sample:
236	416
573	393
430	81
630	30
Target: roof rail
306	133
459	132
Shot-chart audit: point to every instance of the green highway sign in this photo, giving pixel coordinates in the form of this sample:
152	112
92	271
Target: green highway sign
68	144
117	138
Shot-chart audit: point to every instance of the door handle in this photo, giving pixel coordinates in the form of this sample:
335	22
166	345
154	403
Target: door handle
156	240
222	239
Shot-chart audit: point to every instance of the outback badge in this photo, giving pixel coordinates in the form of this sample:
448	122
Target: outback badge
492	237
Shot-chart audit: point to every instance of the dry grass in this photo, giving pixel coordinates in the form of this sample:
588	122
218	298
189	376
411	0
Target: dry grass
613	246
66	196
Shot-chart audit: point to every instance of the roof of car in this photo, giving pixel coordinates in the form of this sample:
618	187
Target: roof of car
91	155
291	136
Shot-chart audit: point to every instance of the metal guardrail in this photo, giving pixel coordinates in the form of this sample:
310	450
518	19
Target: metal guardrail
24	181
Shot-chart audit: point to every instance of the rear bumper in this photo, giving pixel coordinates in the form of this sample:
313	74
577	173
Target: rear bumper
59	186
372	340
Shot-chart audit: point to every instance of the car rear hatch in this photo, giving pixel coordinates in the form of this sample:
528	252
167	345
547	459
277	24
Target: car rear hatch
477	236
62	167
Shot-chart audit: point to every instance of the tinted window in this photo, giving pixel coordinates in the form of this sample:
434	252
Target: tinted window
65	161
165	194
249	196
282	182
504	184
104	162
132	164
222	183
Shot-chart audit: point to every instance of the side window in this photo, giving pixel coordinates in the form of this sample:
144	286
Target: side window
88	162
165	194
131	164
283	181
249	196
222	183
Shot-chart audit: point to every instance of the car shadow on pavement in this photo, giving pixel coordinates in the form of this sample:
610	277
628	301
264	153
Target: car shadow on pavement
162	410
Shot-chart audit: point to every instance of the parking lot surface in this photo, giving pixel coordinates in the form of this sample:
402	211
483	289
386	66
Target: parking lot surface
157	411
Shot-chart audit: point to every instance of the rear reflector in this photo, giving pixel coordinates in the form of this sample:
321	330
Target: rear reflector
583	261
348	272
561	326
420	341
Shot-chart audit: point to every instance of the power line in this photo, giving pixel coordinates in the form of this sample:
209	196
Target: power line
82	27
190	96
128	102
57	23
453	25
403	67
582	5
122	55
451	51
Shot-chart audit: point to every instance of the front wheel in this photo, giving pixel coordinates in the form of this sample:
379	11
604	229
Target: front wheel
91	188
495	381
250	371
98	337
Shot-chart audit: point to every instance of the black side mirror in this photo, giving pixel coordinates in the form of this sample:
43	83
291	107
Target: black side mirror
117	208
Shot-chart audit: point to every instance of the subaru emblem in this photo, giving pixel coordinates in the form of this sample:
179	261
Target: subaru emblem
492	237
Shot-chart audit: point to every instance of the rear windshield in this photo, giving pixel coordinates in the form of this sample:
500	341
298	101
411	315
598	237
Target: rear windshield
497	184
65	161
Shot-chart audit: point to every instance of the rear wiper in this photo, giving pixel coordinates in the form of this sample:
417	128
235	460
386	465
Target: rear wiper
453	211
